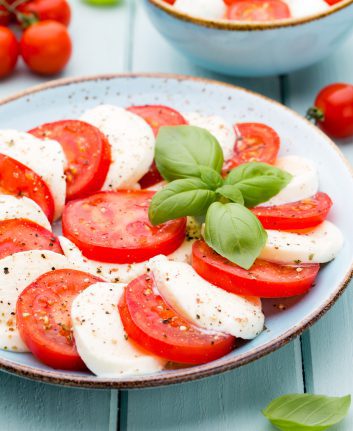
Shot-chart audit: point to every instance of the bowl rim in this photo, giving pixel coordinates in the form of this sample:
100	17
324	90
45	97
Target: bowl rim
220	24
65	378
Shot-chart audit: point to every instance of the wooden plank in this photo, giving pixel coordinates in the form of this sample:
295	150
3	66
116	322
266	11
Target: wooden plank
233	400
328	346
100	39
30	406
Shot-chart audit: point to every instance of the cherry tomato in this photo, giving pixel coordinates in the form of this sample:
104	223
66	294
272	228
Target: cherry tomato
333	110
258	10
156	116
87	151
264	279
296	215
56	10
150	322
44	317
46	47
257	143
5	16
9	50
18	180
18	235
114	227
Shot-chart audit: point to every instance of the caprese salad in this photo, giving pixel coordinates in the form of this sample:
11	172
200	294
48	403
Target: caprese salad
174	226
251	10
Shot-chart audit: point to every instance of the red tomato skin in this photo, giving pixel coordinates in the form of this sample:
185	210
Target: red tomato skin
5	17
131	245
303	214
46	47
152	324
336	103
55	10
156	116
263	279
257	143
333	2
17	235
257	10
50	341
87	151
9	51
26	183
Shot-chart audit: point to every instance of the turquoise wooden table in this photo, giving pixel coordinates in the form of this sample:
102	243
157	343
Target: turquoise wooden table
321	361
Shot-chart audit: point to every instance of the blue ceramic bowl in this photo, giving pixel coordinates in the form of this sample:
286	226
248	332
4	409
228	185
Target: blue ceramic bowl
70	98
253	49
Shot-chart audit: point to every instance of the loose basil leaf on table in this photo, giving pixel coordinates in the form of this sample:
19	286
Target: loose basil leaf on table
258	182
231	193
235	233
306	412
181	150
180	198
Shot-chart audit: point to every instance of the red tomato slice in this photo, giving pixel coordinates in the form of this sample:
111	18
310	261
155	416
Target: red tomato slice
114	227
257	143
156	116
87	151
18	180
296	215
258	10
151	323
264	279
44	317
21	235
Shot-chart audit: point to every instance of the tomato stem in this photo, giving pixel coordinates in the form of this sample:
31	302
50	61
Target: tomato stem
26	19
315	115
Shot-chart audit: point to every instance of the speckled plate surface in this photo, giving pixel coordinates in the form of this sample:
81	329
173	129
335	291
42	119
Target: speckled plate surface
285	319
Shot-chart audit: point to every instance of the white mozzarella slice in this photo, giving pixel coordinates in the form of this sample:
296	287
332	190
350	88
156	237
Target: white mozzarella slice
220	129
114	273
45	157
124	273
16	273
309	7
209	9
12	207
204	304
132	144
157	187
100	337
318	245
304	184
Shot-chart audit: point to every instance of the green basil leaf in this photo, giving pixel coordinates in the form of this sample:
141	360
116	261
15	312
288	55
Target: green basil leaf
181	150
258	182
235	233
180	198
211	177
304	412
232	193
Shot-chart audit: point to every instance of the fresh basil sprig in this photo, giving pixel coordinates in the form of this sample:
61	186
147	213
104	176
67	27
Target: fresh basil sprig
180	198
192	160
306	412
233	228
181	150
258	182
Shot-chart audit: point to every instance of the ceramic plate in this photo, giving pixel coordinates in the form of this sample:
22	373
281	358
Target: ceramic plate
285	319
